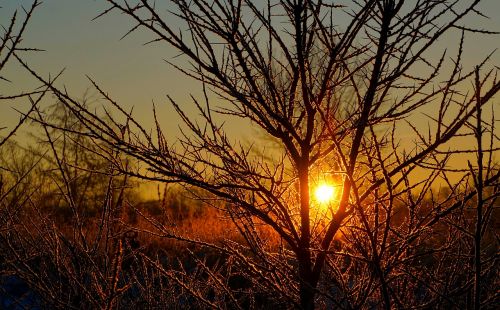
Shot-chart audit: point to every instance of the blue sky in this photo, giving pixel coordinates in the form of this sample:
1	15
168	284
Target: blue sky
133	73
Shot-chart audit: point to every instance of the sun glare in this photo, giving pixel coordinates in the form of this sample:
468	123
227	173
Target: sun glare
324	193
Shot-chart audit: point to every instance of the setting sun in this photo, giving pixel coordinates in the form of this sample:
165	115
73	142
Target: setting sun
324	193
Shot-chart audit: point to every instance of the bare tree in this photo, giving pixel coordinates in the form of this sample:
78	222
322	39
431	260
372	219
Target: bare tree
57	254
337	87
10	43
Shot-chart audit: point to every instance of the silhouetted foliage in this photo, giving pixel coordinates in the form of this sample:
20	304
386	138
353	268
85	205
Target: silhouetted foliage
409	228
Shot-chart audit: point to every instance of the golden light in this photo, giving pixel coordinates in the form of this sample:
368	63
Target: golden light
324	193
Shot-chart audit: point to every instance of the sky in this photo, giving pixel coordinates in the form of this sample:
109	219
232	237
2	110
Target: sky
134	74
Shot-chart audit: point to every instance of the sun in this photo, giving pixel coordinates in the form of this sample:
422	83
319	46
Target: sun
324	193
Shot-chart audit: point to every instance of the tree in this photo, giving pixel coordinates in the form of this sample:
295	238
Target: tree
62	237
335	96
10	46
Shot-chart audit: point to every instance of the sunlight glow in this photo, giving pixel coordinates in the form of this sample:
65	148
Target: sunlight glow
324	193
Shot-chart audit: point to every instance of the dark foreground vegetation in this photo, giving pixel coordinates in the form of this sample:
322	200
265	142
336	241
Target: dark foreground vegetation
76	235
98	211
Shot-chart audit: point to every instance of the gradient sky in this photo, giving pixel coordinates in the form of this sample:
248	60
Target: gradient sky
132	73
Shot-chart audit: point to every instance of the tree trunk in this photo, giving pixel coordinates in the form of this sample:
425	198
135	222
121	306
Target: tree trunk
307	286
307	283
307	295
